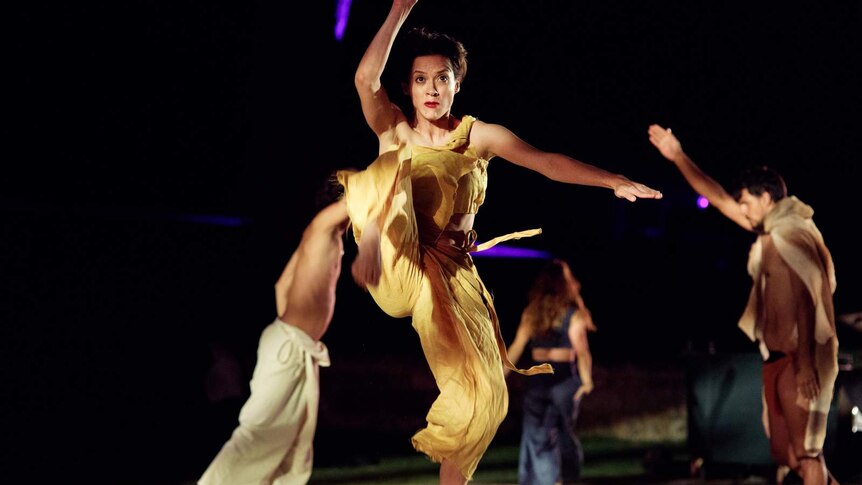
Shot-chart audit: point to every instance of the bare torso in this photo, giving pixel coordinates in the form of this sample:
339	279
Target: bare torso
554	354
311	295
777	312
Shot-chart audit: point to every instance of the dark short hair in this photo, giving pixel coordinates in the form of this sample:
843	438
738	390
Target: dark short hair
759	179
328	192
420	41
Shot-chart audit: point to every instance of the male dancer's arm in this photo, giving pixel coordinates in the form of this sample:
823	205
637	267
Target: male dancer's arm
703	184
806	372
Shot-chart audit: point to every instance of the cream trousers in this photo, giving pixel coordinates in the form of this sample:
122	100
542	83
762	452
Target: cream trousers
273	442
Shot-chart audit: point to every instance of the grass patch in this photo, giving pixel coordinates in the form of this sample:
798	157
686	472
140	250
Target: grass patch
604	457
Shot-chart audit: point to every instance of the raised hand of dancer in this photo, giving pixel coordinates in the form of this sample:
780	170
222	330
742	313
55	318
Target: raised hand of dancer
366	267
665	141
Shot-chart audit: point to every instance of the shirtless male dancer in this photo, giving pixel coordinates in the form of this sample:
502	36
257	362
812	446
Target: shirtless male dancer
790	308
273	442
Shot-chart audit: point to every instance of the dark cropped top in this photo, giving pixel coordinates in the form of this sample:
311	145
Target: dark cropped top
556	336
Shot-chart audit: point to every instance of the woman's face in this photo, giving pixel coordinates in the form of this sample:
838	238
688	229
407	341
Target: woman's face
432	86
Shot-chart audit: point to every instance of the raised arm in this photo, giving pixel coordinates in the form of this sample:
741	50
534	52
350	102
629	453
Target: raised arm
500	141
380	114
703	184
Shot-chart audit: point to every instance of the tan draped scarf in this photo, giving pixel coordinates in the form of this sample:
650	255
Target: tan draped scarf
800	244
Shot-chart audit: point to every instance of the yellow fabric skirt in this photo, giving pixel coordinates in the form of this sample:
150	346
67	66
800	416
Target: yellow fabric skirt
452	311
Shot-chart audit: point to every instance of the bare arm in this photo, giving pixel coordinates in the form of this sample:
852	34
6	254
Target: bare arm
578	337
702	183
380	114
806	373
522	337
502	142
331	218
585	315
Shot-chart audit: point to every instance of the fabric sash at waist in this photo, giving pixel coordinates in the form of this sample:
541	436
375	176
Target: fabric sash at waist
430	234
314	349
464	243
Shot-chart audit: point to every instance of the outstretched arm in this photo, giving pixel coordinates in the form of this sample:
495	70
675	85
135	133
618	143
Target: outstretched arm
501	141
702	183
380	113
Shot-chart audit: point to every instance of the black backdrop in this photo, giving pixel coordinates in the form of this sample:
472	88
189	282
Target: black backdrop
161	159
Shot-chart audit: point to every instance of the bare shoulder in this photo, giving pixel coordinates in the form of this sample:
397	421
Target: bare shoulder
578	322
481	130
397	134
488	137
330	217
400	133
581	323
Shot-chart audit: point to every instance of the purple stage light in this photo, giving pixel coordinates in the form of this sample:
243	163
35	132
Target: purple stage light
702	202
501	251
342	11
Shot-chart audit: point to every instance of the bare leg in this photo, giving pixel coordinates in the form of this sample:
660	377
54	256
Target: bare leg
450	475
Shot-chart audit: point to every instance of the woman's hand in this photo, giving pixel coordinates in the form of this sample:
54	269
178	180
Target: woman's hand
632	191
586	388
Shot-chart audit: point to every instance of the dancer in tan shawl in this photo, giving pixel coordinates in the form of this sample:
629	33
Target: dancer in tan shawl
789	312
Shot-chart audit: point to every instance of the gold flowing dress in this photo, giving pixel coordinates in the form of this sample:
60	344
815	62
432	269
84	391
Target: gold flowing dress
412	192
